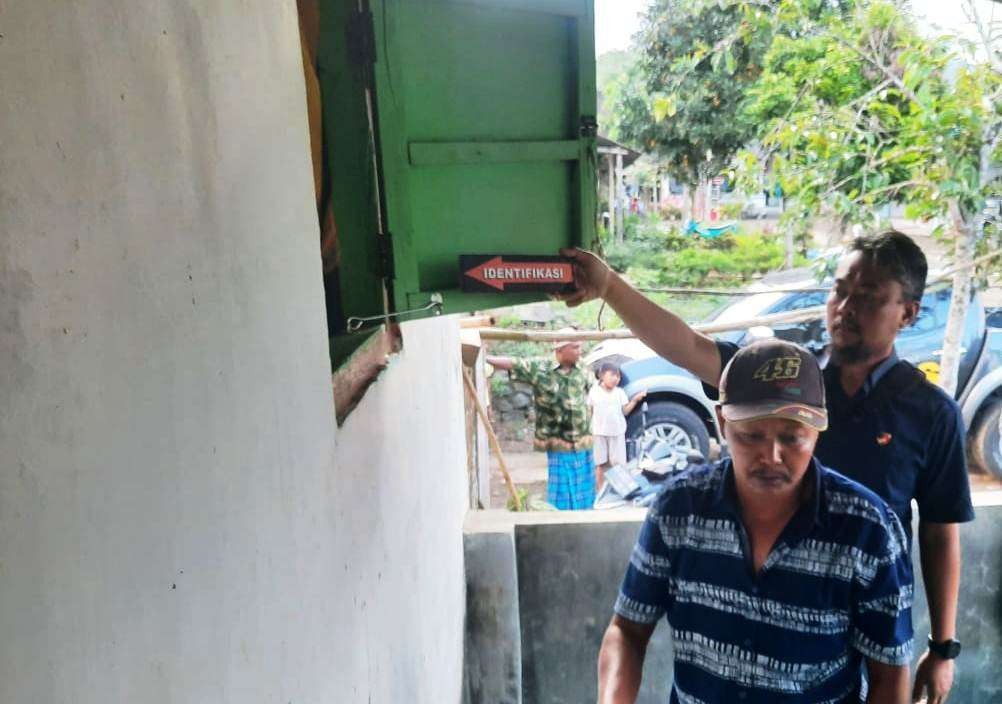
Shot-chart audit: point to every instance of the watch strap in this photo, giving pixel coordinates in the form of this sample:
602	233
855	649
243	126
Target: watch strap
946	649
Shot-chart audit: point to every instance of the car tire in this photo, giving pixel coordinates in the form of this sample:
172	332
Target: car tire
670	414
984	441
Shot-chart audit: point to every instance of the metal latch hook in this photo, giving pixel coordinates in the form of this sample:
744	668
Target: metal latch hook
354	323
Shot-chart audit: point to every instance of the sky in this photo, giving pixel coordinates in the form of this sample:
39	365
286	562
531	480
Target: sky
616	20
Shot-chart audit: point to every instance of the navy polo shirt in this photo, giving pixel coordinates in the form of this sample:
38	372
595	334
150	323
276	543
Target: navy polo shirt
835	589
906	446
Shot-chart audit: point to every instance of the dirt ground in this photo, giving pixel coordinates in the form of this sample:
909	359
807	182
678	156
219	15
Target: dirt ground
528	471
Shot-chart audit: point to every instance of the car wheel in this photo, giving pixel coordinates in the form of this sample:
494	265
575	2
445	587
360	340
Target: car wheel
674	423
985	439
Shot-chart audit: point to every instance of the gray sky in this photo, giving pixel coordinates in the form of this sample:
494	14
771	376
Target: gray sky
616	20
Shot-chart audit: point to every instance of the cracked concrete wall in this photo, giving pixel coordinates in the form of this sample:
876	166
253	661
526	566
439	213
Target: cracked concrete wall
180	521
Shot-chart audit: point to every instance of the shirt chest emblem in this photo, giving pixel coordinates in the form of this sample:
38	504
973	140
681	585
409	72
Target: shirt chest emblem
884	439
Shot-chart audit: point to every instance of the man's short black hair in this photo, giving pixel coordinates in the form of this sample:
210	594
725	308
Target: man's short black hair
607	367
898	254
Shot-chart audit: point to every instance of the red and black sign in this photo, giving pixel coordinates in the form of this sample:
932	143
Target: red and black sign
514	273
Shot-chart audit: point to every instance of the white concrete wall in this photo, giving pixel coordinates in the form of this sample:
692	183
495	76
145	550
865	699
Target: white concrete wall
178	523
401	473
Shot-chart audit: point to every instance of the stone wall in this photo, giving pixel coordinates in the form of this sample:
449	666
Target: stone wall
512	400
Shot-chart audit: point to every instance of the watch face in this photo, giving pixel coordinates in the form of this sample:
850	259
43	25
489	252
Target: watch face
948	649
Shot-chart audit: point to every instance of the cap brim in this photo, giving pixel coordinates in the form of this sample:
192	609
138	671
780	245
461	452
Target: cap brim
808	415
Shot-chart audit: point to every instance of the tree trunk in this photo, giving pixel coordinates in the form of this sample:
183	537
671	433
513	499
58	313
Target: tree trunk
703	198
949	364
790	248
621	204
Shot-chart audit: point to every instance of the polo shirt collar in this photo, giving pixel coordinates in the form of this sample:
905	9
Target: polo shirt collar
872	379
879	372
812	513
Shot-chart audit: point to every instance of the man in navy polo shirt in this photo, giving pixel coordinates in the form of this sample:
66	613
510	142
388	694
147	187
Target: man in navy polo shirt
890	430
777	576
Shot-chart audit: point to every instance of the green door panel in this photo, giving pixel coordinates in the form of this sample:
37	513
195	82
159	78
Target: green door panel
470	208
486	131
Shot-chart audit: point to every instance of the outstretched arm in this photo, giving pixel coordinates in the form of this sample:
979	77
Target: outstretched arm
660	329
504	363
621	660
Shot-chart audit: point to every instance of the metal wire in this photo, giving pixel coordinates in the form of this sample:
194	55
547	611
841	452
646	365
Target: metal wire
355	323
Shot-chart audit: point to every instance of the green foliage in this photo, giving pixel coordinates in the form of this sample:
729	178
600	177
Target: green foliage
728	261
867	111
669	212
612	69
731	211
515	348
644	238
530	502
500	383
683	97
667	258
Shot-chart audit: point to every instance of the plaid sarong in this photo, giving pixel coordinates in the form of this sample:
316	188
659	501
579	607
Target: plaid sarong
571	481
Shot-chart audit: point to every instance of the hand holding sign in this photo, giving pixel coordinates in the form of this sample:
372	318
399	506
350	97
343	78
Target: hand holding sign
591	277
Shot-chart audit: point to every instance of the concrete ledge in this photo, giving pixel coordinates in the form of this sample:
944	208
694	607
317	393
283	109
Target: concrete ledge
502	520
561	571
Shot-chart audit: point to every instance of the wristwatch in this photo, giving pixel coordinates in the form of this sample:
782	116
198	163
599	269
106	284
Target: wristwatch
946	649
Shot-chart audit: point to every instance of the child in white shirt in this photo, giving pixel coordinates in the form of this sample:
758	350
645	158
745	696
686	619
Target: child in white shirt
608	421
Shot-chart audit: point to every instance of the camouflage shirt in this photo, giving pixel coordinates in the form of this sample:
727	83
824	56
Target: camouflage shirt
563	418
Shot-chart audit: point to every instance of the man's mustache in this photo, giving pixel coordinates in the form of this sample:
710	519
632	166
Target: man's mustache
770	474
846	325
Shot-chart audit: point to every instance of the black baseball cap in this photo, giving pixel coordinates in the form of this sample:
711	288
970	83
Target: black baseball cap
774	379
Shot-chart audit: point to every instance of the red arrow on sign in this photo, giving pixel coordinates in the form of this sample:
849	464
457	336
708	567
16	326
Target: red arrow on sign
497	273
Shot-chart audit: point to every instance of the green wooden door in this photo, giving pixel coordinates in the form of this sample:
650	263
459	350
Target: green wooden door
486	134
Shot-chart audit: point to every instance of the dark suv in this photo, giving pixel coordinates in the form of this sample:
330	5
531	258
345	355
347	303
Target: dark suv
680	412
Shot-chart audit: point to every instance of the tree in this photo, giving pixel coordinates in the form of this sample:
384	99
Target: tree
611	76
868	112
686	96
683	97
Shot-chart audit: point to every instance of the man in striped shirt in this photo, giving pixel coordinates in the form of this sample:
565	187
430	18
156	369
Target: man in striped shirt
778	577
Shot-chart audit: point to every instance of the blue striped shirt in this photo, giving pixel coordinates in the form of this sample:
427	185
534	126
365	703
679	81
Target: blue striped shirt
836	588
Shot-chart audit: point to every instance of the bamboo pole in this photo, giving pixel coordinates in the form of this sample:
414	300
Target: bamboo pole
492	438
796	316
476	321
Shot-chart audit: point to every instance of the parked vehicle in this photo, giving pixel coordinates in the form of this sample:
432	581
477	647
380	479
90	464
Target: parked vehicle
757	207
681	414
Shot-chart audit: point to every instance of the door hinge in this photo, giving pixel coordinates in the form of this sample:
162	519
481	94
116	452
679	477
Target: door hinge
362	38
384	244
588	126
